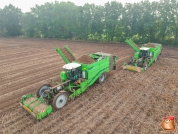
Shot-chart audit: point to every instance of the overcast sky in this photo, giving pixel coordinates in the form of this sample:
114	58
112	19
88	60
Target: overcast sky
25	5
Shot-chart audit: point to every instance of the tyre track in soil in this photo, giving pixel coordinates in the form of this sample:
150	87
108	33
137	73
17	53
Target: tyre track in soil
29	65
6	100
27	57
15	117
167	54
11	49
26	67
79	111
10	108
11	95
105	116
24	73
54	123
17	127
137	112
143	111
66	113
82	112
23	64
21	53
85	115
117	115
80	99
120	118
20	89
26	81
17	66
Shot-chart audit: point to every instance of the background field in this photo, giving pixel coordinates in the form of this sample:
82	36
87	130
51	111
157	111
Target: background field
126	102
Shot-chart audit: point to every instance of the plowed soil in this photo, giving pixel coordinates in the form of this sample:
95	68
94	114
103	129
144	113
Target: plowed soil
126	103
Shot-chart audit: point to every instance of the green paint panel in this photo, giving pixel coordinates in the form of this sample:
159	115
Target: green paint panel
63	76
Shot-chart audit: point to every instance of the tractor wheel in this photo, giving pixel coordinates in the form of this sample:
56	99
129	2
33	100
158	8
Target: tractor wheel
102	78
41	90
60	100
145	66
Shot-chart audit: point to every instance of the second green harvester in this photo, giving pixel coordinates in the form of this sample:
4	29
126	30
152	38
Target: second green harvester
144	56
77	76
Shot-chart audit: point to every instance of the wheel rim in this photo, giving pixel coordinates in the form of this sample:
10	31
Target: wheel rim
41	91
102	78
61	101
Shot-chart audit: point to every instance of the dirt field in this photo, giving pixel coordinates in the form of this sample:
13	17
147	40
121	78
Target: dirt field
126	103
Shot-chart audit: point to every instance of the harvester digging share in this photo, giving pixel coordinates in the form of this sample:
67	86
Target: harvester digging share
143	57
77	76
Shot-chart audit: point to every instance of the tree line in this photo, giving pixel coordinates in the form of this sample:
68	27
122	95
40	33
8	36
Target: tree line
143	22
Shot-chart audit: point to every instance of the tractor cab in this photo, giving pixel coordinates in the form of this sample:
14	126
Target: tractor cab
144	52
72	71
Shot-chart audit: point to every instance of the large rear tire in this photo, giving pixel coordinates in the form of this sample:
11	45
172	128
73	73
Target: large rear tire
102	78
42	89
60	100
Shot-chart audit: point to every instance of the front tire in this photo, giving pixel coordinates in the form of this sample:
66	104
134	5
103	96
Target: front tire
42	89
102	78
60	100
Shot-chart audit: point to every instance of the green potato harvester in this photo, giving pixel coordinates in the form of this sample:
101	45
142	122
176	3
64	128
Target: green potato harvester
77	76
144	56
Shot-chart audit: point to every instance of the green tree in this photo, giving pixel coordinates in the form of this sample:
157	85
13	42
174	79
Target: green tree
131	16
29	25
172	34
163	19
112	13
12	17
56	20
2	22
146	23
84	21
